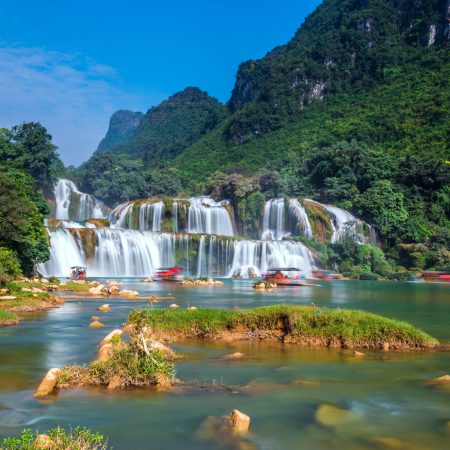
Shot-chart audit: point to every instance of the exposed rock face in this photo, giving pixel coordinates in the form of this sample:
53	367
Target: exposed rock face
122	127
239	421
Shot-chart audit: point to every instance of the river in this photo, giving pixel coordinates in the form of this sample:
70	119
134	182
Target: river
385	390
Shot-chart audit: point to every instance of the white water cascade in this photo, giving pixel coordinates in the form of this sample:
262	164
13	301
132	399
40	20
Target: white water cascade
298	219
205	216
274	220
343	222
88	206
148	217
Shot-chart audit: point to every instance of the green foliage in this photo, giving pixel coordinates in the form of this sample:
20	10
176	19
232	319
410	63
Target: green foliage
77	439
21	220
9	266
350	328
28	147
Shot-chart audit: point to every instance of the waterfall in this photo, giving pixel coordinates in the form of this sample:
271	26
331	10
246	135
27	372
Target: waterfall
149	216
208	217
259	256
175	217
343	222
298	219
88	206
274	220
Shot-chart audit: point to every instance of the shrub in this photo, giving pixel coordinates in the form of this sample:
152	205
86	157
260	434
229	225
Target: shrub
9	266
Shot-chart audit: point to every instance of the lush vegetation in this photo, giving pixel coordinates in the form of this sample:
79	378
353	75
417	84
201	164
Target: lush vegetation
310	325
56	439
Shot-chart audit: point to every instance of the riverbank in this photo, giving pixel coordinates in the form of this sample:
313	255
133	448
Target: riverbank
33	295
301	325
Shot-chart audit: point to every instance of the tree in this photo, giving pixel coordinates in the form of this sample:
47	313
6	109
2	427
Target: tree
21	220
382	206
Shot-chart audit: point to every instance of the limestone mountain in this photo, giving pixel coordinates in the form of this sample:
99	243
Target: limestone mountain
167	129
122	126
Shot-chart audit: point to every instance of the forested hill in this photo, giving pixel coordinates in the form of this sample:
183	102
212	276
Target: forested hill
166	129
352	111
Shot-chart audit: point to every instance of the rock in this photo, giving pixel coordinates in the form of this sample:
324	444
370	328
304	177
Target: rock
44	280
236	355
389	443
386	346
251	273
113	290
104	307
96	324
8	297
127	293
306	383
239	421
115	382
218	283
332	416
34	295
5	291
358	354
444	379
109	337
128	328
94	283
147	280
174	306
94	318
105	352
95	291
48	383
43	442
192	308
23	290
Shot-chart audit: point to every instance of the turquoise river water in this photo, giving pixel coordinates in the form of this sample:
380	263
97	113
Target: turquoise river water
387	391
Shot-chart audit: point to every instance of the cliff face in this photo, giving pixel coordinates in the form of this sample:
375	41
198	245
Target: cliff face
122	127
343	44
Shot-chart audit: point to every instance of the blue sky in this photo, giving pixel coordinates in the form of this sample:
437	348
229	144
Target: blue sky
71	64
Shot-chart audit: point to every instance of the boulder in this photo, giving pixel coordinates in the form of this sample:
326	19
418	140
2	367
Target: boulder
239	421
48	383
236	355
155	345
127	293
104	307
192	308
94	318
105	352
95	291
113	290
174	306
358	354
8	297
332	416
96	324
44	280
147	280
5	291
23	290
109	337
128	328
444	379
43	442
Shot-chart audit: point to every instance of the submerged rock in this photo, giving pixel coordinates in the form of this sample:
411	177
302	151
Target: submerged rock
48	383
127	293
104	307
236	355
358	354
96	324
332	416
444	379
306	383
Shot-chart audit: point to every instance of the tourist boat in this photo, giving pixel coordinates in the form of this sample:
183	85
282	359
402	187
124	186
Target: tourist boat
169	274
77	273
285	276
436	276
325	275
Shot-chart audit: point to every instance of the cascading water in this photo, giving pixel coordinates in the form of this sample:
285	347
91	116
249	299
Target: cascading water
298	219
88	206
343	222
274	220
208	217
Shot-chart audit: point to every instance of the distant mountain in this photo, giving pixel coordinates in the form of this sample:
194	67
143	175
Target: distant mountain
122	127
170	127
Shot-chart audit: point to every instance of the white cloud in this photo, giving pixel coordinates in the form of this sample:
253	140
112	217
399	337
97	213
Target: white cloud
71	95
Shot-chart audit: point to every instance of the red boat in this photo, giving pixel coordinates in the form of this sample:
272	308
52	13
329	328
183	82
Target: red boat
169	274
77	273
436	276
285	276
